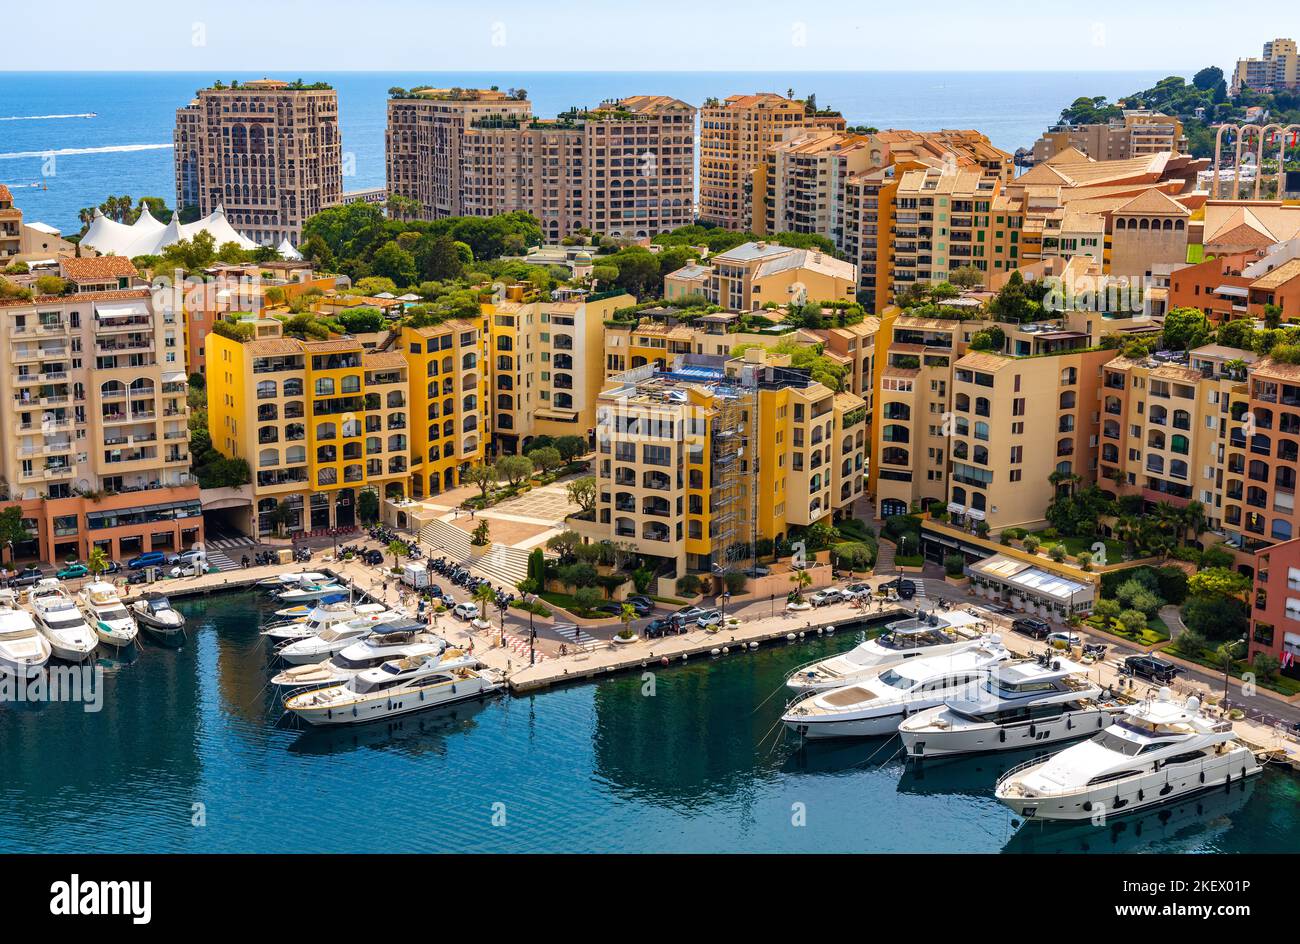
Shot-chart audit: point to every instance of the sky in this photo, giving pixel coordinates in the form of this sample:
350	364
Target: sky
636	35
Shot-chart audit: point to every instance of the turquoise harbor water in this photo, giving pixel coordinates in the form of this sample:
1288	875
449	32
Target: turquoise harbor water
596	767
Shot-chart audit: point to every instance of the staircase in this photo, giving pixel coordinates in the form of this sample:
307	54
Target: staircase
503	566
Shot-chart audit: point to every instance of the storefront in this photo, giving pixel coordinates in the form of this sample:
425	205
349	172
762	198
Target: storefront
1027	588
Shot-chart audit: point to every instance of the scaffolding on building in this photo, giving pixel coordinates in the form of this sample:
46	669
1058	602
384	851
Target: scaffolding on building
733	477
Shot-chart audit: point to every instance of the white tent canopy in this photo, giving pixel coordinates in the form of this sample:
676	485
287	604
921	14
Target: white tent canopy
287	252
148	237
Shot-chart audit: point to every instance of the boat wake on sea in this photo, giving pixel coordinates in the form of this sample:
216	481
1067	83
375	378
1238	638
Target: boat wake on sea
68	152
87	114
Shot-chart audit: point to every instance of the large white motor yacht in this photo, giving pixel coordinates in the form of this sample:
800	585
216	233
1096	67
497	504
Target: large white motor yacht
910	638
398	687
106	614
876	704
333	638
23	650
1023	703
320	617
306	592
1157	751
60	622
403	642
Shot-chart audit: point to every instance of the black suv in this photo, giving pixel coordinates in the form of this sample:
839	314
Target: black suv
1151	668
1032	626
905	588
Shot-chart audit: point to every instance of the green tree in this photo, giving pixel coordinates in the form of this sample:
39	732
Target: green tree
12	530
97	562
368	506
514	469
582	492
398	549
391	261
1186	328
482	476
546	459
627	613
1219	581
571	447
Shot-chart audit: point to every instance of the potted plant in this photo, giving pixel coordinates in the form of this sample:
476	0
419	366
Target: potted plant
801	580
480	540
954	570
626	616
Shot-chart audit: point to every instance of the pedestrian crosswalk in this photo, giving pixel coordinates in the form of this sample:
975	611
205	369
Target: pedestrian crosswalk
571	634
221	561
920	588
230	544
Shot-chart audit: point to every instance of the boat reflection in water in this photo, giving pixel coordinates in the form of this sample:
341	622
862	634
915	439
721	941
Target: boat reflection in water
1194	822
412	735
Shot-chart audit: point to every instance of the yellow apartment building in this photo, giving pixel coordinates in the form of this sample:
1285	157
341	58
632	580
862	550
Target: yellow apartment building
698	461
546	367
321	421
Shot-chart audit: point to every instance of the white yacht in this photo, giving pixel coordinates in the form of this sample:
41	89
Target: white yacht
23	650
903	639
106	614
397	687
320	617
1158	751
333	638
284	581
154	614
877	703
307	592
405	642
60	622
1022	703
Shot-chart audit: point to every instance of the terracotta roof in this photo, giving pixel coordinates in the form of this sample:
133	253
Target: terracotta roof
982	360
325	347
1153	201
384	359
270	347
116	296
97	268
1279	276
1276	370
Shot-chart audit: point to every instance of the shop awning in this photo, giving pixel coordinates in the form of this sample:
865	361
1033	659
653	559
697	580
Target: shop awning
955	508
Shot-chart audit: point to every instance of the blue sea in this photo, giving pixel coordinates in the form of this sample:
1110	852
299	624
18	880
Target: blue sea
190	754
57	161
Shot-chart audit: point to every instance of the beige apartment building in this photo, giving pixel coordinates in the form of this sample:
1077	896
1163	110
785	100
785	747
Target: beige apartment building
545	367
735	136
1277	69
422	142
96	439
752	275
802	182
267	151
1165	429
948	219
1136	133
624	168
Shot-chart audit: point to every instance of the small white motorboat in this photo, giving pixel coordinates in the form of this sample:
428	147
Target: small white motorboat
107	615
319	617
155	615
309	592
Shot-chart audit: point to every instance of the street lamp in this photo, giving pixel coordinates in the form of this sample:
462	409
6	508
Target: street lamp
532	631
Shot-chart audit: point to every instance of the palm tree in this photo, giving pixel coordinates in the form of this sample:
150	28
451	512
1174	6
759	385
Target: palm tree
484	596
1224	653
97	562
627	614
801	580
399	550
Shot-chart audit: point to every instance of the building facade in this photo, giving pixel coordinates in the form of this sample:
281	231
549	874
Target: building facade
269	152
97	441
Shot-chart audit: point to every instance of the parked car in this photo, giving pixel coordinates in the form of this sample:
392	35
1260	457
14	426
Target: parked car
1069	640
658	627
72	571
465	611
26	577
826	596
642	603
189	569
149	559
112	567
1032	626
187	557
373	557
905	588
857	591
710	619
1151	668
612	608
693	613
